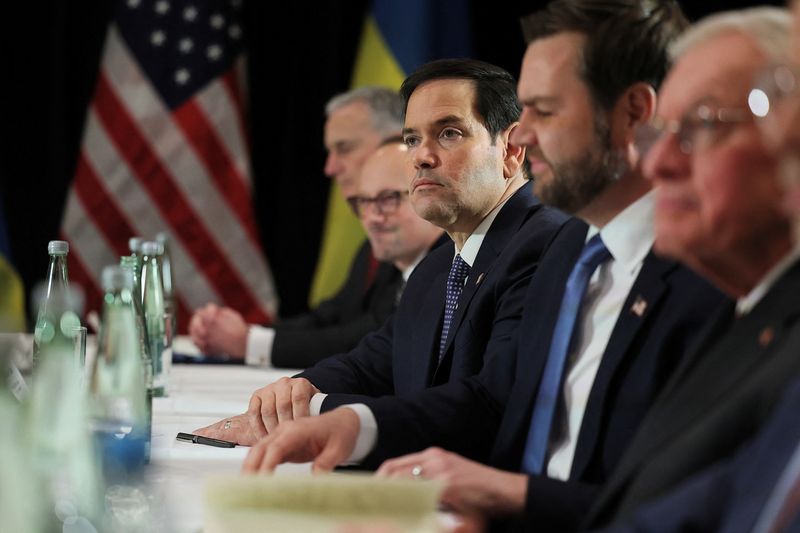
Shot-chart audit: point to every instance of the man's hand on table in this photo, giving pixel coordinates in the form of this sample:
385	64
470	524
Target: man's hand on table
327	440
286	399
218	330
470	488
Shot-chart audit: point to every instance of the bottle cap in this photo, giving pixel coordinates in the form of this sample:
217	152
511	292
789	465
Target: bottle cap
58	247
152	248
116	278
135	244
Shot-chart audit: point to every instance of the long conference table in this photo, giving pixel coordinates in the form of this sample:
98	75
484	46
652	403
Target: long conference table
198	396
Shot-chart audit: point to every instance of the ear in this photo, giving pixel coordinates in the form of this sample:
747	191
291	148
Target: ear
634	108
513	154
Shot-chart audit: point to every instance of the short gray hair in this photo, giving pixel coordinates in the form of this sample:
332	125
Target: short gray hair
386	107
770	27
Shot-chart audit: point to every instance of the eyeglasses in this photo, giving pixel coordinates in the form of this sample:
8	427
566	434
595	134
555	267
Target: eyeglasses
772	99
699	129
386	202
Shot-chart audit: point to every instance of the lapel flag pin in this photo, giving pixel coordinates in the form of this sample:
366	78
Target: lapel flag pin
639	306
766	336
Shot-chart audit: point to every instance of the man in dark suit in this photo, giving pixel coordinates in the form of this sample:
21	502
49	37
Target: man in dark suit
718	211
744	494
469	181
357	123
638	312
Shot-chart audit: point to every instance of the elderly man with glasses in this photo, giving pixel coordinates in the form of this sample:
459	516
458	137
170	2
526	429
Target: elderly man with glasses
718	210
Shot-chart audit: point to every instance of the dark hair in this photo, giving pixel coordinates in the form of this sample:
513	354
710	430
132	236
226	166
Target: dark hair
626	40
495	89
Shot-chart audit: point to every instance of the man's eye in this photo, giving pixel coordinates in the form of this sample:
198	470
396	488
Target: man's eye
411	141
542	113
450	133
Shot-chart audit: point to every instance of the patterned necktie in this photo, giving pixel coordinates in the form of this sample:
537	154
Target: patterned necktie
593	254
459	271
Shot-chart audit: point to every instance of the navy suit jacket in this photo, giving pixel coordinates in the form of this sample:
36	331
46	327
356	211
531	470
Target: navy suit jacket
338	323
403	356
487	417
712	405
730	496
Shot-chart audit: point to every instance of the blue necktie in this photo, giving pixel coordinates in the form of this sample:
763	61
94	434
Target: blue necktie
459	271
593	254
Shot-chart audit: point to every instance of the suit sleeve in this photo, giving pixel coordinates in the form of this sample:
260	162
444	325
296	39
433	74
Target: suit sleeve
339	323
365	370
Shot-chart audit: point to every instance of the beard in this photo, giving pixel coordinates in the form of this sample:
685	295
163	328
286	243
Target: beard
578	181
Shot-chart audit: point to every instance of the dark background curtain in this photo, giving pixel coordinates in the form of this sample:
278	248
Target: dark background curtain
300	54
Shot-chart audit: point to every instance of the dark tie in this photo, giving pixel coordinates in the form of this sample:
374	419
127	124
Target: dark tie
593	254
459	271
399	294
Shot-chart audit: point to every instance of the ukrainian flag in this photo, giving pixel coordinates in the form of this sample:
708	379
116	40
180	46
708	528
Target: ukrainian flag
397	38
12	295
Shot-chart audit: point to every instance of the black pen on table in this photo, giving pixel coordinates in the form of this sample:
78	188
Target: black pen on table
199	439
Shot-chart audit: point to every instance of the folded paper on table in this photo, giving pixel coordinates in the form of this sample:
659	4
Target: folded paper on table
325	503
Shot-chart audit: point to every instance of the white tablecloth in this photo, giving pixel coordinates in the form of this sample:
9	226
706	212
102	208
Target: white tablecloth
198	396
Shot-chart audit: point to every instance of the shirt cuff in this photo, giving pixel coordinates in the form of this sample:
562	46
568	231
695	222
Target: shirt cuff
367	433
259	346
315	405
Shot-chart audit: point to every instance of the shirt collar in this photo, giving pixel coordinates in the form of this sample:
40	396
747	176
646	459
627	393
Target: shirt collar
629	236
746	303
473	243
406	273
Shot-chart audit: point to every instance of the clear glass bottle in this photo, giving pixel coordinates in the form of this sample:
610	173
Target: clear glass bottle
156	320
56	423
20	508
129	263
168	278
135	246
117	385
56	287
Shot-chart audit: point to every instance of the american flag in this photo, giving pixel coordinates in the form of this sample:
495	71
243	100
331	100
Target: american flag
165	149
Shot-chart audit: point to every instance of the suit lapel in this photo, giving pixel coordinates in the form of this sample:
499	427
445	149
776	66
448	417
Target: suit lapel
425	341
645	295
507	223
731	359
538	322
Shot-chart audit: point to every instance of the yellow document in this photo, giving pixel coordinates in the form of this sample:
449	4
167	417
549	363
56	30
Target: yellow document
334	503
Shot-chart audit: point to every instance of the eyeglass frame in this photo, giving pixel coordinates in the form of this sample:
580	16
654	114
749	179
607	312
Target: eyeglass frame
769	93
386	202
708	117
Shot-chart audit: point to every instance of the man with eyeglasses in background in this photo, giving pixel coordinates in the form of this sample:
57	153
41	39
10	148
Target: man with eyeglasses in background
462	301
396	233
718	209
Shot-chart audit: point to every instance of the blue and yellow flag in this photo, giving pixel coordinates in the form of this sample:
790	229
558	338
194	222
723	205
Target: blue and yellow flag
397	38
12	295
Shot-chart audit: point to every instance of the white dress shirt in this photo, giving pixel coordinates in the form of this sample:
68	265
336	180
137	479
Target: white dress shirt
628	237
746	303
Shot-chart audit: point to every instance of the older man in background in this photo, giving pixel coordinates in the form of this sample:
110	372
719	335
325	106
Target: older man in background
357	123
718	210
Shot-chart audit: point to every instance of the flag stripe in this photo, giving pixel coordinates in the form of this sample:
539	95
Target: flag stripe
108	218
188	172
221	168
171	202
230	82
101	207
105	161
